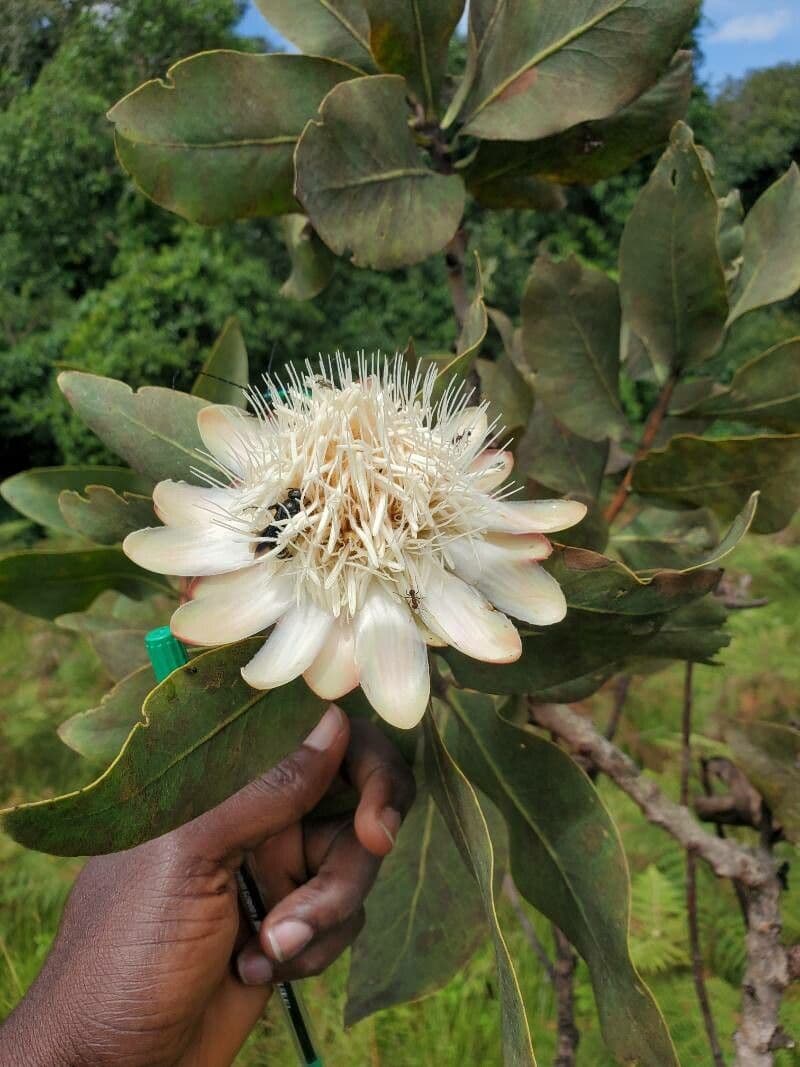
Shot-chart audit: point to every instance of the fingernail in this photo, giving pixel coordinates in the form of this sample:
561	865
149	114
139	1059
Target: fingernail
390	822
288	938
254	968
327	730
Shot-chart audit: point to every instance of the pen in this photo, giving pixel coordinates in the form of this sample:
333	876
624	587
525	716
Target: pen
167	654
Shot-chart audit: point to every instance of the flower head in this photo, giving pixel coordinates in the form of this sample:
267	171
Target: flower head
365	521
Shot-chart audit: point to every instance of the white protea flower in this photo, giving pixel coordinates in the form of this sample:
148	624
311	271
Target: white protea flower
364	521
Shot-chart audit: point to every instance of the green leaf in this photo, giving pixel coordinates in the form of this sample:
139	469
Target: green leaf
424	919
34	493
722	473
559	461
537	68
46	583
412	39
469	342
104	516
694	633
497	187
461	810
100	732
570	339
657	539
664	546
585	647
225	372
769	754
154	429
593	582
731	234
312	261
115	627
338	28
765	391
567	860
592	151
671	277
364	183
511	337
213	141
510	399
771	261
205	735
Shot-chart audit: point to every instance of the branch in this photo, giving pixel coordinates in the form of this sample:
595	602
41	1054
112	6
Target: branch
705	779
767	972
651	428
698	963
569	1035
512	895
765	980
726	858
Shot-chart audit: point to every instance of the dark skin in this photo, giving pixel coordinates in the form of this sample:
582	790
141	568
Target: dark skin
154	964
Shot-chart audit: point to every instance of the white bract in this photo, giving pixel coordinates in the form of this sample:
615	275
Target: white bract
364	521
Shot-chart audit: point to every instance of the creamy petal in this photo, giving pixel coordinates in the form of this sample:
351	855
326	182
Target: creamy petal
467	429
522	546
334	673
182	504
230	435
491	468
241	582
523	589
291	648
431	639
187	551
467	620
225	616
392	658
533	516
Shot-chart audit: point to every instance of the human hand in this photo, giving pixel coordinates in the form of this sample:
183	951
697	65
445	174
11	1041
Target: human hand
154	965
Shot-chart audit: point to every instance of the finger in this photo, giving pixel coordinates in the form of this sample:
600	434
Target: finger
228	1019
385	785
326	901
279	864
280	797
255	969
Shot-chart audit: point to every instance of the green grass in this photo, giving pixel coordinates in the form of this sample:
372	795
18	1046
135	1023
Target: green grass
47	675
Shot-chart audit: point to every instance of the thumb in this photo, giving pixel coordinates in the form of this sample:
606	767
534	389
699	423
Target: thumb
280	797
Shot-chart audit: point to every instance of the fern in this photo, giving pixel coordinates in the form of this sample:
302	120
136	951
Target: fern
677	999
658	924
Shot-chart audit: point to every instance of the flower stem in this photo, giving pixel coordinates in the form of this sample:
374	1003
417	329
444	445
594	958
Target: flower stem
652	426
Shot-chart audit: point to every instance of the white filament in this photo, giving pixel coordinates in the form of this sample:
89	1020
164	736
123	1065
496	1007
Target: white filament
384	472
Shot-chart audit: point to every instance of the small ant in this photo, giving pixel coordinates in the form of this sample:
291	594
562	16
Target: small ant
413	598
289	507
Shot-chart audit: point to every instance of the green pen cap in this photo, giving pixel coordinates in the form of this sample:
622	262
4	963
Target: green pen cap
166	652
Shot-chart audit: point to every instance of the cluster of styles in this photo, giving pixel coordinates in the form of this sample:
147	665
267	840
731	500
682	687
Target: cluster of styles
363	508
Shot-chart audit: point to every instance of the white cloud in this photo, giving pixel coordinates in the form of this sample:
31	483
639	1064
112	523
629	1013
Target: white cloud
748	29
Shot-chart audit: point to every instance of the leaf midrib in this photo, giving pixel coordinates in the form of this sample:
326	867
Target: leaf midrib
195	455
413	906
485	882
594	360
383	176
346	25
544	54
496	771
72	816
244	142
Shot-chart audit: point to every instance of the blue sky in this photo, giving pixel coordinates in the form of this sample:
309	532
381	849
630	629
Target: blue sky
738	36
